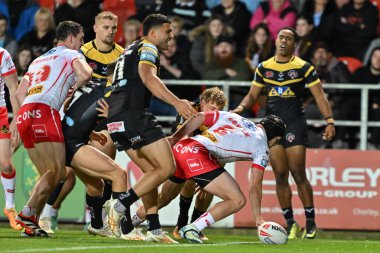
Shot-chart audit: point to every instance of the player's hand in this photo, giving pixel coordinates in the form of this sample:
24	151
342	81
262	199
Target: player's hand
329	133
238	109
259	221
66	104
185	108
103	109
99	137
15	136
202	194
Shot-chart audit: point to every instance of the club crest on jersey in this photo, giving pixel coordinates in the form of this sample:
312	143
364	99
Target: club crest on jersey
93	65
292	74
269	74
290	137
4	130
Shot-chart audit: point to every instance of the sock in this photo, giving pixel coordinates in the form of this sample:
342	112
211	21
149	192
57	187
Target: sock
54	196
54	212
107	191
204	221
126	225
310	213
46	212
184	206
136	220
29	211
153	222
95	204
196	214
126	200
87	217
288	215
9	182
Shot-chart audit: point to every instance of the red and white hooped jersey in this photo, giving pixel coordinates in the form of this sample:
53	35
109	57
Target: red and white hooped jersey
6	68
230	138
50	77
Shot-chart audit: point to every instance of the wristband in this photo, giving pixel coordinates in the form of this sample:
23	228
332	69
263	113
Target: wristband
330	123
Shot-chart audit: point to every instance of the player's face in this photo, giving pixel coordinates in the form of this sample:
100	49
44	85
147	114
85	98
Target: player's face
209	106
105	30
163	35
77	42
285	43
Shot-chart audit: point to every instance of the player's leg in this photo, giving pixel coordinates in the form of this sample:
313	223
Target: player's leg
202	202
8	179
49	159
215	182
279	163
297	156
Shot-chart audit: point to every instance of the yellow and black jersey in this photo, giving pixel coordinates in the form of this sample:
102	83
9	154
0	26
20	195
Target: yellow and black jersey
98	60
284	84
130	93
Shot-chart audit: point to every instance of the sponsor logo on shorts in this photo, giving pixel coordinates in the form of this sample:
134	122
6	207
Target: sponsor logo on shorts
290	137
194	164
33	114
35	90
39	131
135	139
69	121
116	127
4	130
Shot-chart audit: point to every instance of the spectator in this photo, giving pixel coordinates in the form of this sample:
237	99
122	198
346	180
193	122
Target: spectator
205	36
23	59
41	38
131	31
80	11
318	10
275	14
20	14
225	65
304	29
193	12
329	70
145	8
370	74
251	5
355	25
6	40
259	47
183	42
235	15
175	64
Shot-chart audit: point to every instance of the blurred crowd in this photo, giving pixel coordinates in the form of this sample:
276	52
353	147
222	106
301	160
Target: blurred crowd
226	40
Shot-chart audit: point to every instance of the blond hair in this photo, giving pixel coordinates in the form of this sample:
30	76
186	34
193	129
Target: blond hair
43	11
105	15
215	95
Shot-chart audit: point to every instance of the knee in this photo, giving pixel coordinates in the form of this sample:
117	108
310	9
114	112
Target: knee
6	166
282	178
239	202
299	177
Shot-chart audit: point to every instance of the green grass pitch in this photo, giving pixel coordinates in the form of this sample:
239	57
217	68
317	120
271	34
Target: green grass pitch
71	238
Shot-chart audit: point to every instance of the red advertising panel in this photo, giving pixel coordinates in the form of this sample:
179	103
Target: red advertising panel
346	190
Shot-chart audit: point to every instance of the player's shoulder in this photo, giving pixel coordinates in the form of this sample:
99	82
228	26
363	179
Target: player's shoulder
119	48
266	63
145	44
87	47
300	62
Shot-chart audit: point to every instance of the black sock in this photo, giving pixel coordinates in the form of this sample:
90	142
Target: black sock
196	214
115	195
128	198
288	215
184	206
107	191
53	197
310	213
153	222
96	205
126	222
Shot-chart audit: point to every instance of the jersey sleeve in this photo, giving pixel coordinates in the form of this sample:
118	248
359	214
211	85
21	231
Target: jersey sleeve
211	118
148	55
311	76
74	55
7	65
260	158
258	79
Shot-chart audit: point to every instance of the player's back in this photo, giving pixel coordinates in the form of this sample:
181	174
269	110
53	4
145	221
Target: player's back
50	77
231	137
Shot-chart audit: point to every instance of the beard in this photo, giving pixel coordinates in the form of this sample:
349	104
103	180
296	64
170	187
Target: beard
224	61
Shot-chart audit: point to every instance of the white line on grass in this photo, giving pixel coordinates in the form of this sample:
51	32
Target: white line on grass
125	247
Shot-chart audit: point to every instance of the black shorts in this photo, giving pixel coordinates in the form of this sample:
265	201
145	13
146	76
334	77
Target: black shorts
134	129
80	119
202	180
295	133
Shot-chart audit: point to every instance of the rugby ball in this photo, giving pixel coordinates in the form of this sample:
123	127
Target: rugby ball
272	233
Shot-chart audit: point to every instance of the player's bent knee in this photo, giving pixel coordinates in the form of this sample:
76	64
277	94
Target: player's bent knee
239	203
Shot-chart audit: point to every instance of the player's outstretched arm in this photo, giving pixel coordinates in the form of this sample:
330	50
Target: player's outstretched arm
255	194
189	126
248	100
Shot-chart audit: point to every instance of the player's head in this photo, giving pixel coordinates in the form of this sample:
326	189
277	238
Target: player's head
105	27
71	34
157	29
286	41
274	126
212	99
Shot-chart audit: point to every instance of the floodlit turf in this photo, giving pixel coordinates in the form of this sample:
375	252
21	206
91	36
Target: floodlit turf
73	239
